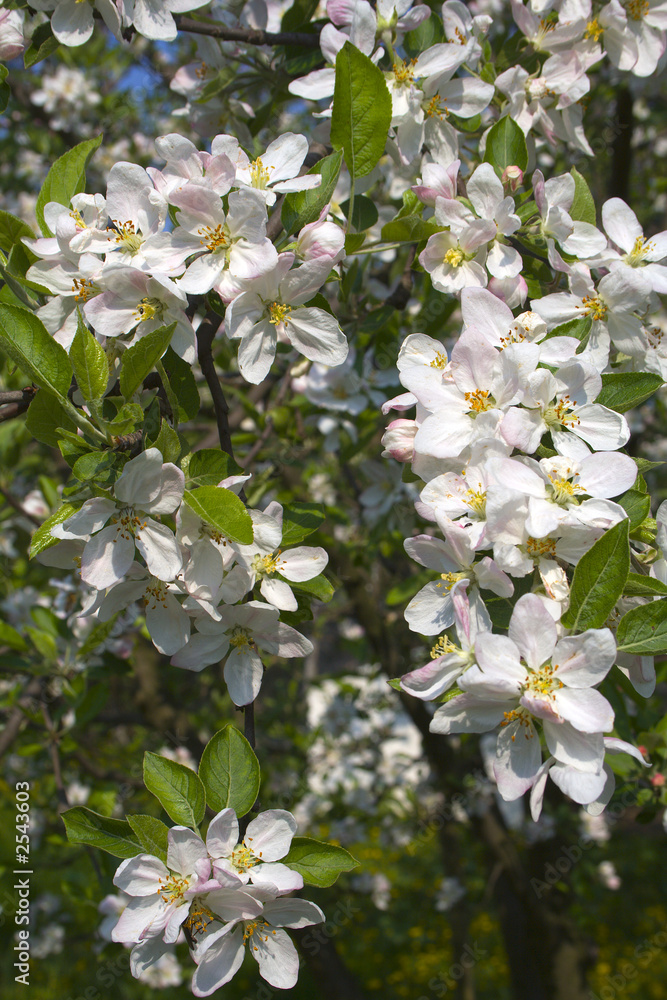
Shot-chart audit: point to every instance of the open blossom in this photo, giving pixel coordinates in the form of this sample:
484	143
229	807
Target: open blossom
72	21
146	486
531	675
276	170
12	42
257	858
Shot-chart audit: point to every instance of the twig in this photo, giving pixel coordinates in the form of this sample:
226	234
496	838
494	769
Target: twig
205	334
55	759
248	459
249	723
14	402
251	36
13	502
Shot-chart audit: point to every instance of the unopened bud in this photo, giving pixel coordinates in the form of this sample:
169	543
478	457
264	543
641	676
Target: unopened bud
512	178
398	440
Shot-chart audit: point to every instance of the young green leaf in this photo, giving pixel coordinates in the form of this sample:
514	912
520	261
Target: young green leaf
24	339
139	360
66	178
303	207
361	114
299	521
582	208
115	836
177	788
506	146
12	230
229	771
639	585
209	466
42	537
223	510
599	579
91	368
45	415
151	834
318	863
643	631
637	506
623	390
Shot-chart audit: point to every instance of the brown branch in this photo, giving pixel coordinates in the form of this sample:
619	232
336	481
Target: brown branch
251	36
16	504
14	402
205	333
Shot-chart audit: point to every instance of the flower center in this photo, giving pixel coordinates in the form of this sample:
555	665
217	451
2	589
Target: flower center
215	238
436	108
439	361
259	927
266	565
455	257
593	30
539	548
243	859
126	236
173	888
543	682
239	638
156	591
403	72
199	918
521	716
564	492
476	500
449	579
480	400
637	9
148	309
641	248
443	646
594	307
562	414
83	288
278	313
259	175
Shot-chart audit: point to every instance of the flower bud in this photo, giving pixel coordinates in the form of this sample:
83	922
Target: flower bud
512	178
398	440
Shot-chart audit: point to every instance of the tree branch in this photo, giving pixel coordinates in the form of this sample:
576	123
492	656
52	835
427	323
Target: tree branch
251	36
205	333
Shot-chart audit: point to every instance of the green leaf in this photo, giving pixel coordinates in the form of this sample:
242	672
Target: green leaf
223	510
229	771
42	537
582	208
97	635
168	442
364	212
177	788
12	230
623	390
303	207
115	836
506	146
94	465
5	92
410	229
183	384
151	834
139	360
209	466
42	44
637	506
361	114
319	587
643	631
599	579
319	864
10	637
429	32
353	242
578	328
66	178
24	339
639	585
298	15
45	415
300	520
91	368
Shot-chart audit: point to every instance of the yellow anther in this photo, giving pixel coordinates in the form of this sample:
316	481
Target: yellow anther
278	313
479	400
214	238
439	361
593	30
455	257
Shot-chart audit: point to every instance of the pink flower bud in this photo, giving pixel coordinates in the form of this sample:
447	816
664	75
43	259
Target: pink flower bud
512	178
398	440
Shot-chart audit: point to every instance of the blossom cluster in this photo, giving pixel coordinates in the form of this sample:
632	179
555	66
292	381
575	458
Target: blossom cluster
224	893
191	578
120	261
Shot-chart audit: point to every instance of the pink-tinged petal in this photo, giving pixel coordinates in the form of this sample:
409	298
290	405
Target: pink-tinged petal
185	849
257	351
177	917
317	335
620	223
269	835
533	630
276	876
430	681
147	953
141	479
233	904
613	745
220	963
90	518
284	641
584	660
490	577
302	563
171	491
499	671
167	622
580	786
444	434
140	876
292	913
431	611
431	552
585	709
140	914
467	714
107	557
607	474
277	958
223	834
200	651
584	751
518	759
539	786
